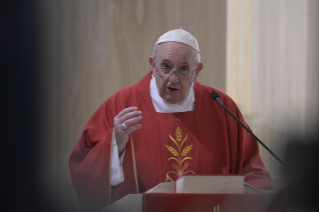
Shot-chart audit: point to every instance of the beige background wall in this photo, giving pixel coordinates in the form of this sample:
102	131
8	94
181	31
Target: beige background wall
272	69
262	53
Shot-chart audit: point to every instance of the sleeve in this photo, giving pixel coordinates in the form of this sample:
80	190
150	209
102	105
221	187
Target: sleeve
117	173
90	161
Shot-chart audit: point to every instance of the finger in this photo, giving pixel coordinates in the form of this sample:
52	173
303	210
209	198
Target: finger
133	128
132	121
129	115
126	110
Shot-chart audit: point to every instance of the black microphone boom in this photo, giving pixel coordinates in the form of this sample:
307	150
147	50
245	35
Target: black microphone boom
215	96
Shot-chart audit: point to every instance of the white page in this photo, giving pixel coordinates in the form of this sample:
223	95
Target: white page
167	187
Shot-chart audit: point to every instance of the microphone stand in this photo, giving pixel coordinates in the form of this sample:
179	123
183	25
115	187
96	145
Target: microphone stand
216	98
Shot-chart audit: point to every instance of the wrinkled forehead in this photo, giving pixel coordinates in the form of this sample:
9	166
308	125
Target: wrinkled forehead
174	51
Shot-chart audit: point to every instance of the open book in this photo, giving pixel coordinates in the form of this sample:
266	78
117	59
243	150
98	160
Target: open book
206	184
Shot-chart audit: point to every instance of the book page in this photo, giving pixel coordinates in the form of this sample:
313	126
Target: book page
167	187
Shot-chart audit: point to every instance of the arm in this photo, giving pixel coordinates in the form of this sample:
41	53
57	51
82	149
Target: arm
90	161
251	164
244	150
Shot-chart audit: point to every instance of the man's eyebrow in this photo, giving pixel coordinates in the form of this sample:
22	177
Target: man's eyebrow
166	60
185	63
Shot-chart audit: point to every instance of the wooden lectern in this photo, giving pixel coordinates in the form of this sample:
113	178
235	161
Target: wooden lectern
172	202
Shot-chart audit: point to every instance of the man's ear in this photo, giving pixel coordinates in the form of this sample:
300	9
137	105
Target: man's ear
151	61
197	70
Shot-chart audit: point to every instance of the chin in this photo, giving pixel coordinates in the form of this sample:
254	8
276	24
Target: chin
171	100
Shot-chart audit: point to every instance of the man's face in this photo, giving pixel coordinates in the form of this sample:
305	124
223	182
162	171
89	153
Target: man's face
176	56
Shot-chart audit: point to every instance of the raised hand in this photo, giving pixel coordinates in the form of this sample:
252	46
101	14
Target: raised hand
124	124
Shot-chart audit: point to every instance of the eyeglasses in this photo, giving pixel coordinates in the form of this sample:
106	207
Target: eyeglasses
182	73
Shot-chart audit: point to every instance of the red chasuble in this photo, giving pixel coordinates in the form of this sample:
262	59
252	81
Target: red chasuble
205	141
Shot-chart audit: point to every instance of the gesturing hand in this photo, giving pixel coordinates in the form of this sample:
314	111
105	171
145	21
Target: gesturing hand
126	118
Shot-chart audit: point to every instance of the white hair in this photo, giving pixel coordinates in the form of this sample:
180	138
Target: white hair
197	59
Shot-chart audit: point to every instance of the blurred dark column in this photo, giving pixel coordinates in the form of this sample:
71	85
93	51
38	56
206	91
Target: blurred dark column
302	174
302	155
19	69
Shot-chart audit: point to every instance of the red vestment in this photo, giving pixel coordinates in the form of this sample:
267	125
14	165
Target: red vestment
205	141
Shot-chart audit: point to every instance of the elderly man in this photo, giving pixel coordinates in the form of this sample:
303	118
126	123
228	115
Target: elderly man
161	128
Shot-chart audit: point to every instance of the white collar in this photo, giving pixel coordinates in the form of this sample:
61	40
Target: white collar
162	106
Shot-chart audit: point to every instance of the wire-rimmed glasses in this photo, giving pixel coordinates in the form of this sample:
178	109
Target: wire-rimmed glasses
182	73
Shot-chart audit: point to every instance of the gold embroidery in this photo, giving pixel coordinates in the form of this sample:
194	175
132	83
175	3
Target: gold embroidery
172	150
179	154
186	150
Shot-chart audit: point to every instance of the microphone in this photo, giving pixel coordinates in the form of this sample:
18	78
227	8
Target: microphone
215	96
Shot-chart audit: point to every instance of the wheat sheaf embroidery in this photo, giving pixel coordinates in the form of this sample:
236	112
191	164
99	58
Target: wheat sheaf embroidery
179	154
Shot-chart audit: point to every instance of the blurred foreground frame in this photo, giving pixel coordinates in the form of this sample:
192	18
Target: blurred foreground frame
22	60
301	175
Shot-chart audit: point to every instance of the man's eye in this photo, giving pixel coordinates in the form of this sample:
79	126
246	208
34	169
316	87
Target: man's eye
185	68
165	67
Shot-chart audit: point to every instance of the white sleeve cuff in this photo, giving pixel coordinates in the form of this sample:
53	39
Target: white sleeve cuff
117	174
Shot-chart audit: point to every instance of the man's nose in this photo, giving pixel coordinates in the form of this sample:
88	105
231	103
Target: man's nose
174	78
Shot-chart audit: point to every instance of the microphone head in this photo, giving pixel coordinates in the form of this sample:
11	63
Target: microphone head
214	95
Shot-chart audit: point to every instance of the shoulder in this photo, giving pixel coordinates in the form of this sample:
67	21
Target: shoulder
133	93
122	94
120	100
112	106
130	96
204	91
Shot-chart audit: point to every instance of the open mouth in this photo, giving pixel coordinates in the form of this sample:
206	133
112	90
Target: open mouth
172	89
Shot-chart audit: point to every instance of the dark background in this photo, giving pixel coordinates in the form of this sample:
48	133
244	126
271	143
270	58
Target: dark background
19	71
